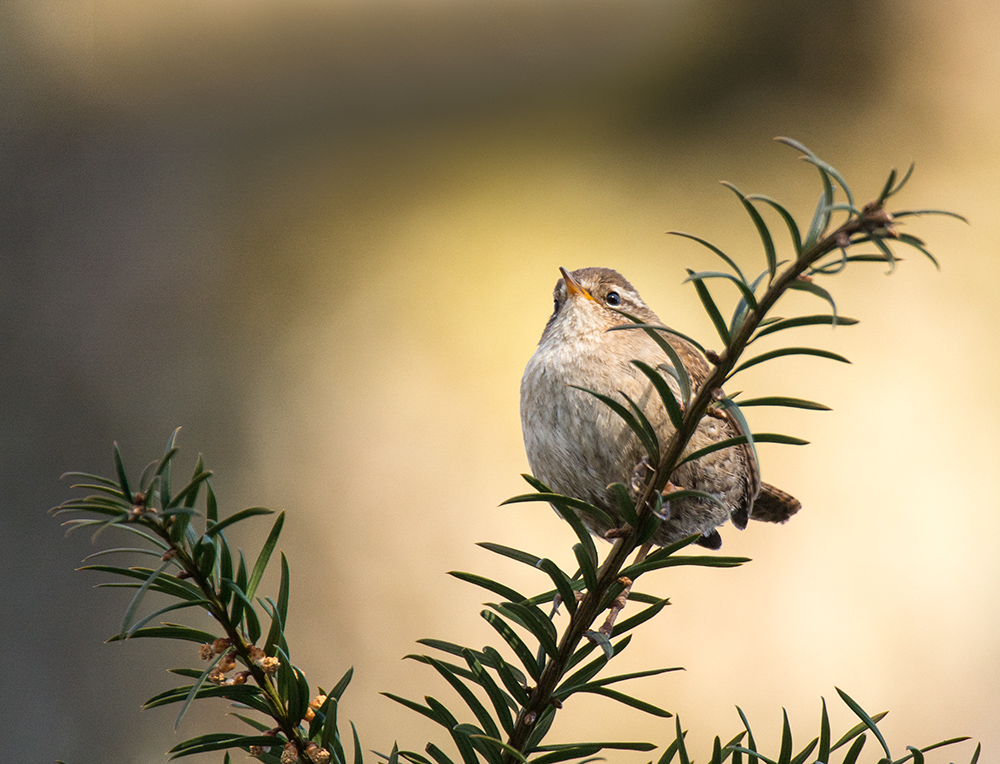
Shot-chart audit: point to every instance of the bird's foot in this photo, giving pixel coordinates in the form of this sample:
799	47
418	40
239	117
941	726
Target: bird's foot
639	474
669	488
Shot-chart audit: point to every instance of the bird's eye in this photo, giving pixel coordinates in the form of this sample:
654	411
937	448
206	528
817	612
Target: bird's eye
613	299
555	306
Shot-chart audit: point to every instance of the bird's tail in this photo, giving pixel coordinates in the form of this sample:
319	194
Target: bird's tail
773	505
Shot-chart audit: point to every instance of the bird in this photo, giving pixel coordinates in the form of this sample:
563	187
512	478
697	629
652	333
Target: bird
578	446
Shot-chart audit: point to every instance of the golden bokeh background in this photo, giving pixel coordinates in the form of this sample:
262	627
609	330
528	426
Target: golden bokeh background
322	236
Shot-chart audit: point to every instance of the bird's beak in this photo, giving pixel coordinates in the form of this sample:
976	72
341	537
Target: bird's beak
573	287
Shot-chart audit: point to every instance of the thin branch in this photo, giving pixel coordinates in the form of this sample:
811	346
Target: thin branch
873	221
237	642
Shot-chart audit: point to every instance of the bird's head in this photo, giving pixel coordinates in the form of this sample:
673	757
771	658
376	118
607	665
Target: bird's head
587	303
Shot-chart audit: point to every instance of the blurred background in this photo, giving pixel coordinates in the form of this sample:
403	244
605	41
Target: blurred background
322	237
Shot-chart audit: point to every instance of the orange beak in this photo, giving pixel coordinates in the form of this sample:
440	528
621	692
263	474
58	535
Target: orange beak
573	287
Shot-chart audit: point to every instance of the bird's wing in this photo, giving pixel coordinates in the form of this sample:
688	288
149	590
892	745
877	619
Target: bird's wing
699	369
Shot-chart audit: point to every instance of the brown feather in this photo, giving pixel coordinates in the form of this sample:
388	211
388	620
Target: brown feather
577	446
773	505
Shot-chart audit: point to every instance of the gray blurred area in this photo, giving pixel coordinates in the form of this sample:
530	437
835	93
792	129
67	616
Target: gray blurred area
321	237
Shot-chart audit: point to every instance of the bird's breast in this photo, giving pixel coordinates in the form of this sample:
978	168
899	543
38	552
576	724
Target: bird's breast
574	442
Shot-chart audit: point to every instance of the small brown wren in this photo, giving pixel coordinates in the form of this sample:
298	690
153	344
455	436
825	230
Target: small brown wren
578	446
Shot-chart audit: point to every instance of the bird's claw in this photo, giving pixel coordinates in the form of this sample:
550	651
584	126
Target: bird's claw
642	469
